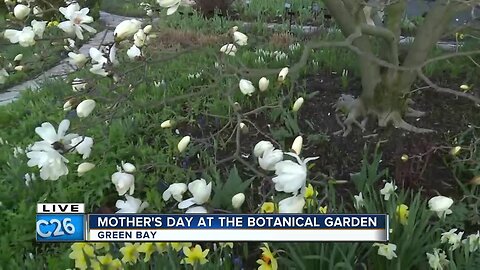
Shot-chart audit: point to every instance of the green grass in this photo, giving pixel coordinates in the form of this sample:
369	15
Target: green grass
130	8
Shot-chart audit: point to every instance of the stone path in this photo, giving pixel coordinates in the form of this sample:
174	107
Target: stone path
63	67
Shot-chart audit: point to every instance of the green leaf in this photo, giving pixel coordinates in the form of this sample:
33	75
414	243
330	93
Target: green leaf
225	191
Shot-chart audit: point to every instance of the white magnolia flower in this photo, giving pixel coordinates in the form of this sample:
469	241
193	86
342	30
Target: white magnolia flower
196	210
437	260
246	87
99	61
126	29
454	239
49	135
200	191
37	11
83	145
84	167
25	38
229	49
139	38
359	201
261	147
294	204
440	205
77	20
237	200
21	11
182	145
283	74
472	241
39	27
3	76
51	163
85	108
297	145
298	103
291	176
123	182
270	158
18	57
172	5
240	38
77	59
130	206
134	52
388	190
263	84
387	251
176	191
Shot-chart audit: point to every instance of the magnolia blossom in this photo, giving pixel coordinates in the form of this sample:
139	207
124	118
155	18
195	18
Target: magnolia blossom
388	190
229	49
440	205
128	167
123	182
387	251
3	76
283	74
83	145
246	87
270	158
25	38
200	192
130	206
294	204
437	260
77	59
196	210
84	167
147	29
261	147
37	11
291	176
134	52
297	145
172	5
85	108
454	239
240	38
77	20
49	135
139	38
237	200
18	68
39	27
21	11
298	103
51	163
263	84
99	61
126	29
176	191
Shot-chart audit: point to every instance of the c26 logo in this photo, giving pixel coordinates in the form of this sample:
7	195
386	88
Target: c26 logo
60	227
66	224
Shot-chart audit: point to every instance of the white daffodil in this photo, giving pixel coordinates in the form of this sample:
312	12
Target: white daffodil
437	260
263	84
182	145
39	27
25	38
196	210
200	192
270	158
126	29
298	103
3	76
84	167
134	52
283	74
237	200
21	11
172	5
51	163
359	201
77	20
229	49
77	59
139	38
297	145
49	135
246	87
454	239
261	147
240	38
166	124
123	182
176	191
85	108
130	206
83	145
386	250
388	190
291	176
440	205
294	204
472	241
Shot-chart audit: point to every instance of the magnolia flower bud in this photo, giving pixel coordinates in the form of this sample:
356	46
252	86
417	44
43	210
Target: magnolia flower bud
37	11
21	11
237	107
182	145
128	167
263	84
147	29
77	59
84	167
126	29
134	52
297	145
464	87
298	103
19	57
283	74
246	87
229	49
67	106
261	147
240	38
243	128
19	68
85	107
166	124
238	200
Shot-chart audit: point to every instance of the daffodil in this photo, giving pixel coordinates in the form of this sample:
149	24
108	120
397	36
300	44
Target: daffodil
79	251
161	247
267	207
359	201
130	253
226	244
388	190
195	255
109	263
472	242
268	260
454	239
102	245
177	246
323	209
148	249
437	260
386	250
310	195
440	205
402	214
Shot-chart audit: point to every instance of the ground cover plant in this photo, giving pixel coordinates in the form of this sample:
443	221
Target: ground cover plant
185	106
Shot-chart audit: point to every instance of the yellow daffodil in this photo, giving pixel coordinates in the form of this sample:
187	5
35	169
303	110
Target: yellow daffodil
52	23
95	265
81	249
402	214
130	253
115	265
226	244
323	209
104	246
148	249
161	247
195	255
177	246
268	260
267	207
310	196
